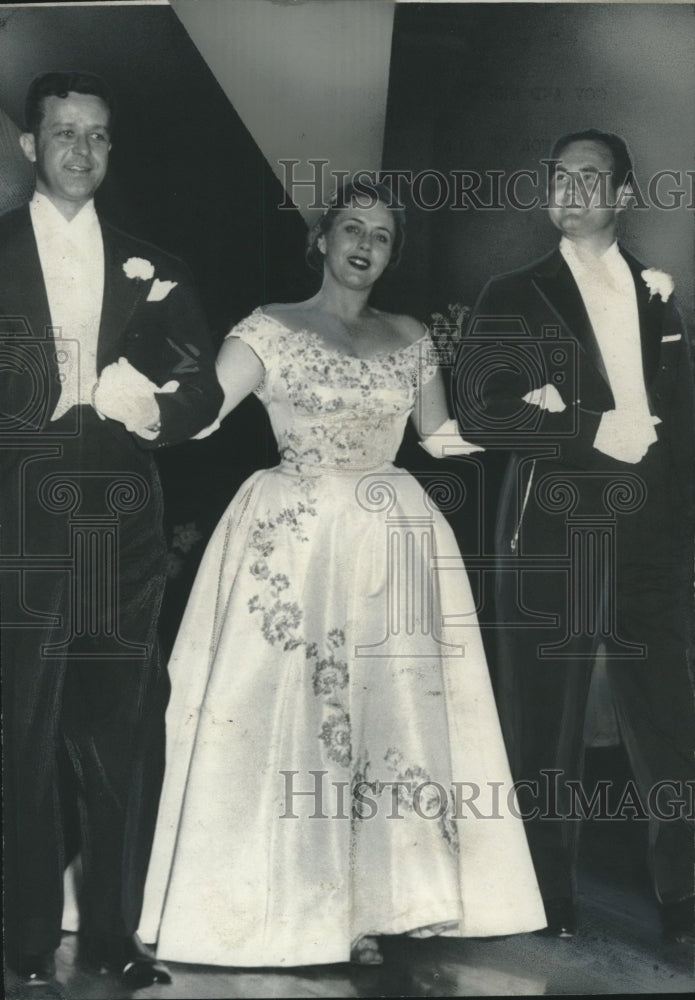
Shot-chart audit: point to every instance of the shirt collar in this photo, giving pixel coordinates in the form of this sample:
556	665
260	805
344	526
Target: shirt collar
584	258
51	220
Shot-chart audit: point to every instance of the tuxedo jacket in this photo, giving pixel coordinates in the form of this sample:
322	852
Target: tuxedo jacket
530	328
165	339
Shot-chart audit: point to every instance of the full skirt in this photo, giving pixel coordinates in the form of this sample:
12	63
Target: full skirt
335	765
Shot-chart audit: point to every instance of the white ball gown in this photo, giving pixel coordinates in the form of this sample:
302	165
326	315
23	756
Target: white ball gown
313	657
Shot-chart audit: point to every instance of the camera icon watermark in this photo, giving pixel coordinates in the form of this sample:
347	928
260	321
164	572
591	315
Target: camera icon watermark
507	382
33	368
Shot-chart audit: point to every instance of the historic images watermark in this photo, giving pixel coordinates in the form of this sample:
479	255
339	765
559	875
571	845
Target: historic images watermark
395	798
489	190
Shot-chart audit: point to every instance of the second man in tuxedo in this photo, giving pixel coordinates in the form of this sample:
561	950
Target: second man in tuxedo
579	364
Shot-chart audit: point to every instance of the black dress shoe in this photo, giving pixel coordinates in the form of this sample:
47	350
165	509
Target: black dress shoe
35	968
33	976
127	957
561	917
678	921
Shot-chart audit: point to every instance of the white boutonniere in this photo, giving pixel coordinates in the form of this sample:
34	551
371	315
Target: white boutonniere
658	282
138	267
143	270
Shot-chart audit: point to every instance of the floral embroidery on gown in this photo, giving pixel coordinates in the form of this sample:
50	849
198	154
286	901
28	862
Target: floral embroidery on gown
332	742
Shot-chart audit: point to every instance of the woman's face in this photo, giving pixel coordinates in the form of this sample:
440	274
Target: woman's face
359	244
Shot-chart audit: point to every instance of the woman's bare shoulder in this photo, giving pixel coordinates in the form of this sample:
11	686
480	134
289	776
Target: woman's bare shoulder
284	312
408	329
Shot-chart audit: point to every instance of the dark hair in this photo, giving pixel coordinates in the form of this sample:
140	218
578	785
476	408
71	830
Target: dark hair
60	85
366	194
622	160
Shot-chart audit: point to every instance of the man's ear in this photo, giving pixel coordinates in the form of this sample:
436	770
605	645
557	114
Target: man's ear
28	144
624	197
321	244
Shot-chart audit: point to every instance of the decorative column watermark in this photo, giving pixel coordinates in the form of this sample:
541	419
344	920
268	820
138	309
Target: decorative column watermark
411	558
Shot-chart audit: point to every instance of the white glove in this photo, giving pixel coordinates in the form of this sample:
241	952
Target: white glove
624	438
547	397
446	440
125	394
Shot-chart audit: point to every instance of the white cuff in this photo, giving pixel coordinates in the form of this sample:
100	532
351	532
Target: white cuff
624	439
148	433
446	440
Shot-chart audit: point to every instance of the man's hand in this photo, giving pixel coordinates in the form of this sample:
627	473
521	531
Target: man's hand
125	394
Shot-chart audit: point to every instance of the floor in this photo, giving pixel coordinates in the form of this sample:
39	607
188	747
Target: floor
618	950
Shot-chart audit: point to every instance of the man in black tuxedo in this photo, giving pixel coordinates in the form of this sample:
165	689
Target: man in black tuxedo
106	356
579	363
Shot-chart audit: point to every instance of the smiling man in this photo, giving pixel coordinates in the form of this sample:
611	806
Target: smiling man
105	356
579	364
70	149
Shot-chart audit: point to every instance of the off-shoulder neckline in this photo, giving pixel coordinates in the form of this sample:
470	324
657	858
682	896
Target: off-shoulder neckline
316	337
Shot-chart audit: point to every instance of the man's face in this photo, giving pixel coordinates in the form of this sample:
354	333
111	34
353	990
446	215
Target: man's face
582	196
70	150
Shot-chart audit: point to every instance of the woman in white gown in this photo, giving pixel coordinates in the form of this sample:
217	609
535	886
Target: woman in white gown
333	744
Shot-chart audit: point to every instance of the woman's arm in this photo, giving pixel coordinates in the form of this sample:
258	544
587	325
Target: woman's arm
439	433
239	370
431	409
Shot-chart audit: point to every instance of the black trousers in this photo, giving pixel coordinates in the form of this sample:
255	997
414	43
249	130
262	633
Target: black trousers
84	688
638	583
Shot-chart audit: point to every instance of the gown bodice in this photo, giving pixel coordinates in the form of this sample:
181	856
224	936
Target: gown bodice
329	410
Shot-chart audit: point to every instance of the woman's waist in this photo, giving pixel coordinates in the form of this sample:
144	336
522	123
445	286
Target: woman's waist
297	467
